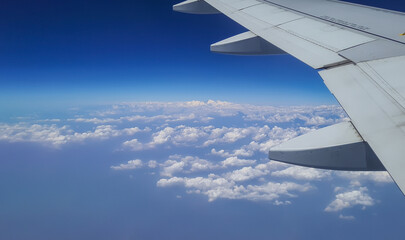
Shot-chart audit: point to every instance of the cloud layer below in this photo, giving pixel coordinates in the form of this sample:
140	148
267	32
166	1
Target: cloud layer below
217	149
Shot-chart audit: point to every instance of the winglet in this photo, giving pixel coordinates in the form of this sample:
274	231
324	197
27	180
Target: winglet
338	147
246	43
195	7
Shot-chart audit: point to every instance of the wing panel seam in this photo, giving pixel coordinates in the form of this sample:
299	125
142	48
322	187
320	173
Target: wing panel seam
335	23
383	85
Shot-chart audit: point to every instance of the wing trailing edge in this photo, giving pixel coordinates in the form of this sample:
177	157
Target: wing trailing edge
195	7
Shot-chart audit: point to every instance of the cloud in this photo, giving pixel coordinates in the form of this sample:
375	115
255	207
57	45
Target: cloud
135	145
213	148
205	136
187	164
141	118
134	130
264	138
152	164
215	187
228	185
170	182
103	132
245	151
279	203
55	120
228	135
275	136
132	164
171	167
302	173
221	153
59	135
182	135
357	177
162	136
318	115
247	173
198	164
36	133
95	120
178	136
350	199
234	161
186	135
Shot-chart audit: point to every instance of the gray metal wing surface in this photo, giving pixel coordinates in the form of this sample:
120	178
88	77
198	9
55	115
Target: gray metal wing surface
359	52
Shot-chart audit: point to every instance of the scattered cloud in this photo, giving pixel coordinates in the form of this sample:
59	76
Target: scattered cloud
279	203
132	164
152	164
349	199
302	173
214	148
234	161
215	187
357	177
135	145
187	164
59	135
221	153
95	120
171	167
248	173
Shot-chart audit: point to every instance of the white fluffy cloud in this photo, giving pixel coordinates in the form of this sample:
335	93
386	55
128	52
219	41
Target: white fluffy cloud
302	173
215	187
350	199
228	135
35	133
234	161
171	167
136	145
230	185
221	153
248	173
206	136
187	164
132	164
59	135
152	164
356	177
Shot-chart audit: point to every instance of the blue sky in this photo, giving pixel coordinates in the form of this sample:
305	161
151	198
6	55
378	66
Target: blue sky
78	163
75	52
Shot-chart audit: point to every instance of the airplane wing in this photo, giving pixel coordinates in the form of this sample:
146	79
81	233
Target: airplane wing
359	52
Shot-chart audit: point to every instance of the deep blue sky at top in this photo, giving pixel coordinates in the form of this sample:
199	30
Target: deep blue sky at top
88	51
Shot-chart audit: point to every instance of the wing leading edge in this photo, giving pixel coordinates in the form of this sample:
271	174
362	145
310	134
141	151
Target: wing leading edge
362	62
